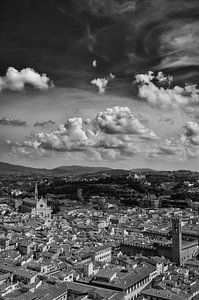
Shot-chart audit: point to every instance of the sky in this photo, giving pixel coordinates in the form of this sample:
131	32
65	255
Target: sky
100	83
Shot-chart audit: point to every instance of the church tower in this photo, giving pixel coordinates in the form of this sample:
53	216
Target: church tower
41	208
36	193
177	240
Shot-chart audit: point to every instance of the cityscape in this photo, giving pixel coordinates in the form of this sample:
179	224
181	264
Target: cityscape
86	233
99	150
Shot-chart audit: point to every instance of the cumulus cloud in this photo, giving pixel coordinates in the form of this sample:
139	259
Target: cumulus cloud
102	83
164	79
144	78
158	92
13	122
191	133
111	134
44	124
16	80
121	120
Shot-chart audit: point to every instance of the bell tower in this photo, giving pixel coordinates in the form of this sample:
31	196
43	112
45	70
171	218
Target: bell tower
36	193
177	240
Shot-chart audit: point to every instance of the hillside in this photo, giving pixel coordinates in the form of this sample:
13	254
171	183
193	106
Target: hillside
6	169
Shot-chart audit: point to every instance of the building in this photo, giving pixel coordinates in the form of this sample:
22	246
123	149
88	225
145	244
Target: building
151	294
77	290
128	282
192	264
55	292
177	240
136	176
103	254
150	201
26	247
80	195
36	207
183	248
179	249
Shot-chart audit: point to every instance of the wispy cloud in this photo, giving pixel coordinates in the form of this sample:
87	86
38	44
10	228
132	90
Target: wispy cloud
183	146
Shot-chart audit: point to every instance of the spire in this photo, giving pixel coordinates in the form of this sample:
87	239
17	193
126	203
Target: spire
36	192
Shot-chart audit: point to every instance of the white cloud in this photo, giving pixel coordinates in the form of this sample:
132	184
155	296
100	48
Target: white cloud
144	78
121	120
166	97
102	83
191	133
16	80
164	79
111	134
94	63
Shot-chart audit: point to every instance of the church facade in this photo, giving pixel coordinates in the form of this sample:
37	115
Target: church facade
36	207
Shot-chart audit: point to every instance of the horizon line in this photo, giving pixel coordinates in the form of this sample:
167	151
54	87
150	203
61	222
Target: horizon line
106	167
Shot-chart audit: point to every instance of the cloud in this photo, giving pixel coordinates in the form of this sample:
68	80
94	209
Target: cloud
16	80
114	133
44	124
121	120
144	78
191	133
172	149
94	63
102	83
112	8
181	43
13	122
183	146
151	89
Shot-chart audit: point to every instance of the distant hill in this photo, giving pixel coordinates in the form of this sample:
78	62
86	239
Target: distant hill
113	172
142	170
6	169
78	170
9	169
